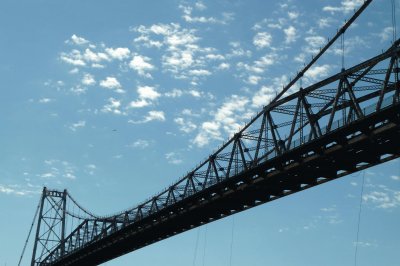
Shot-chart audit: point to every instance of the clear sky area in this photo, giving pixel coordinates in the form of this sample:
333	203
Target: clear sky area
116	100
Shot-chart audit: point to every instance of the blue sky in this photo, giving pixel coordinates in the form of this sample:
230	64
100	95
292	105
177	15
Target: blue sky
116	100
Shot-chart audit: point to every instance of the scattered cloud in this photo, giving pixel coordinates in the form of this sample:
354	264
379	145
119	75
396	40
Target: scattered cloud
172	158
18	190
147	95
91	56
151	116
262	40
112	83
318	72
386	34
190	18
140	144
226	118
119	53
56	169
385	199
185	125
263	96
74	58
88	79
346	6
290	34
45	100
75	126
141	65
113	106
77	40
395	177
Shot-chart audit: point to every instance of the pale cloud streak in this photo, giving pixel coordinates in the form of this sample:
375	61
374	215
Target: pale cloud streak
112	83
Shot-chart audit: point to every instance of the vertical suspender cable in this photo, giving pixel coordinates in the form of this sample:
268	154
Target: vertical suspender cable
394	26
359	219
29	234
232	234
205	245
196	246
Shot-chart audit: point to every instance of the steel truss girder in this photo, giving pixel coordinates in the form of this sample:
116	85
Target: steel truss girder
254	160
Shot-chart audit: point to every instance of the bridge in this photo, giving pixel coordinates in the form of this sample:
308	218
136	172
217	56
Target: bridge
303	138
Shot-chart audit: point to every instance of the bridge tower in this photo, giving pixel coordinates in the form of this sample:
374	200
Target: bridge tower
50	230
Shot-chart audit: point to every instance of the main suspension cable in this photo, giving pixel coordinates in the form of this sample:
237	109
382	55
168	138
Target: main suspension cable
29	234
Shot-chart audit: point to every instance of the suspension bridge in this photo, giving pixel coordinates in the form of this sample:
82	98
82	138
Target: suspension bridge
303	138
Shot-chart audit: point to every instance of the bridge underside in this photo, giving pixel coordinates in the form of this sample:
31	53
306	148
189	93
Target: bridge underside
365	143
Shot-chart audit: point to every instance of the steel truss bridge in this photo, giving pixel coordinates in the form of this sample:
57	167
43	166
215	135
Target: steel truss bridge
305	137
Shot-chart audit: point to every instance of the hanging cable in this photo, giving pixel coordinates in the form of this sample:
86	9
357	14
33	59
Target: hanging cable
196	246
29	234
359	219
205	245
232	234
394	24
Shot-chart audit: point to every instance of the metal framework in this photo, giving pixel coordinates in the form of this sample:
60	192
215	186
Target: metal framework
345	123
340	125
50	230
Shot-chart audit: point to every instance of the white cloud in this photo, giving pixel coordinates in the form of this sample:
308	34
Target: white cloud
118	53
88	79
315	41
175	93
139	103
91	56
293	15
200	5
147	95
45	100
199	72
147	92
151	116
318	72
113	107
263	96
78	90
140	144
141	65
346	6
395	177
182	56
188	16
209	130
172	158
386	34
77	125
112	83
383	199
262	40
74	58
226	118
324	23
185	125
254	80
223	66
58	168
17	190
78	40
290	34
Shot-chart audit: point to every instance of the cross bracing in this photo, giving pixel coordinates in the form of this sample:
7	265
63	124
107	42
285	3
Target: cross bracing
342	124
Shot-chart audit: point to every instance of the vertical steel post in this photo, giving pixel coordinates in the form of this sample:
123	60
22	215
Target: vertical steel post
38	226
64	206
